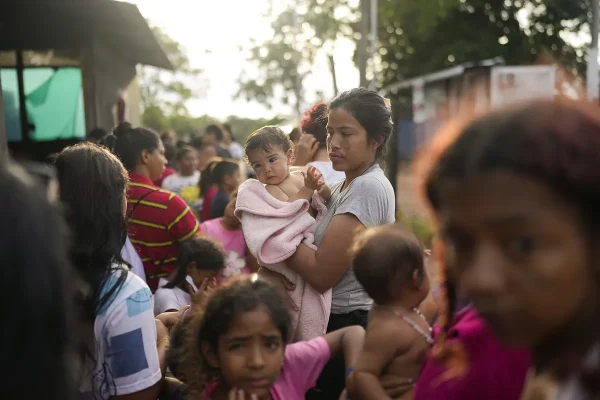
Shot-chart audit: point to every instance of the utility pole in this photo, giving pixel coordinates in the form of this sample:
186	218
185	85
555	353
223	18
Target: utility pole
374	40
592	67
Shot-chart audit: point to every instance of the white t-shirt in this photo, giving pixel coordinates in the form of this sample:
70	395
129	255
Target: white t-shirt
330	175
131	256
176	183
125	356
236	150
169	299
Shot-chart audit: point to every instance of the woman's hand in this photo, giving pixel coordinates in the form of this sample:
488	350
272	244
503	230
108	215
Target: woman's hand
170	319
280	282
395	387
305	150
162	332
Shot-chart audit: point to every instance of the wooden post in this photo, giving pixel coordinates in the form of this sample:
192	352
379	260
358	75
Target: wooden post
3	138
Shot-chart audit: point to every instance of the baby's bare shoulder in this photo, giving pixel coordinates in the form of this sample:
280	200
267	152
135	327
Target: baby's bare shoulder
389	332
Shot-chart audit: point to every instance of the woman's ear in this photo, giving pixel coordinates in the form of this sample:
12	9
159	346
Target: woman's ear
144	156
209	355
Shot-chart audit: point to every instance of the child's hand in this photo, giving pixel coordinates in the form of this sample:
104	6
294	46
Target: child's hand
313	178
238	394
200	298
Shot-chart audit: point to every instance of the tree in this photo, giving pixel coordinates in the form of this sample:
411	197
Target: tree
284	61
428	35
242	127
168	90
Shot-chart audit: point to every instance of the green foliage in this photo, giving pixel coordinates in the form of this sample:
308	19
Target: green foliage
428	35
169	90
419	225
243	127
284	60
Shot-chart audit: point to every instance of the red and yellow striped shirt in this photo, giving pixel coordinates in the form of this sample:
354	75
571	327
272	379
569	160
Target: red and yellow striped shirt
157	220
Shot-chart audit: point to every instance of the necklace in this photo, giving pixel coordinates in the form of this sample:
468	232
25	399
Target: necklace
410	322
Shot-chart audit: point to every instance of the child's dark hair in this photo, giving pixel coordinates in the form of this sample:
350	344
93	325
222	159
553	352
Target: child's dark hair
382	254
556	142
214	130
206	177
370	110
170	151
265	139
198	249
223	169
128	143
315	123
239	295
177	343
183	151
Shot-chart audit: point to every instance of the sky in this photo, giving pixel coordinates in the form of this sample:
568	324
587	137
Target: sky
212	33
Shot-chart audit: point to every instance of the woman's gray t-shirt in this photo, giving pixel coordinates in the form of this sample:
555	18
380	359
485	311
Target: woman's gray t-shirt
370	198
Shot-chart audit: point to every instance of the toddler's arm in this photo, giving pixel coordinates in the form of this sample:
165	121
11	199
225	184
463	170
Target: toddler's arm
347	341
381	347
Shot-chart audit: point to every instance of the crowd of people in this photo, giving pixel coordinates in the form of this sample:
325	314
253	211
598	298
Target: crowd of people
157	268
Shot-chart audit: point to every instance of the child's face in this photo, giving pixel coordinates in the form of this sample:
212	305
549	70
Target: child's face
199	275
250	353
233	181
188	163
519	252
271	167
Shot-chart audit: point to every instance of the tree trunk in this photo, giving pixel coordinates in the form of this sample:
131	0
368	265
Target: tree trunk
363	43
333	76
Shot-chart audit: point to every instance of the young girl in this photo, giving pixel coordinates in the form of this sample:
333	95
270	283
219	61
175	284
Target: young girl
208	189
388	263
199	260
227	231
227	177
270	154
237	347
185	181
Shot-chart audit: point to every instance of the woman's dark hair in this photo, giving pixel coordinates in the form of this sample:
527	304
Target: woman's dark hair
265	139
206	177
315	123
382	254
183	151
556	142
96	135
227	127
223	169
197	142
214	130
92	185
239	295
294	135
129	143
170	151
370	110
201	250
39	342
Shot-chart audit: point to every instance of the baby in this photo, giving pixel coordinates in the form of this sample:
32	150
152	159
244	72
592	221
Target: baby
388	263
270	154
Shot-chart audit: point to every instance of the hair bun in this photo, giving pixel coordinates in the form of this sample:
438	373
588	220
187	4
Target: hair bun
122	129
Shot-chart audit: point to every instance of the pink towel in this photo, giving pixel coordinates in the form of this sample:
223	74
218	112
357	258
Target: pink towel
273	229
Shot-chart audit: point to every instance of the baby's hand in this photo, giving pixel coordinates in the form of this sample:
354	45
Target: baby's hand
313	179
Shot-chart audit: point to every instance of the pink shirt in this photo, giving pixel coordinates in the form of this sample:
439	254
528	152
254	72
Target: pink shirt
302	365
234	247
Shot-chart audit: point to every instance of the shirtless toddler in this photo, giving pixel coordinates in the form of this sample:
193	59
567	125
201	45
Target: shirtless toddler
388	262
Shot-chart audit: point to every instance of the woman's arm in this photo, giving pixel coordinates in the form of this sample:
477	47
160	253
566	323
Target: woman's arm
324	267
